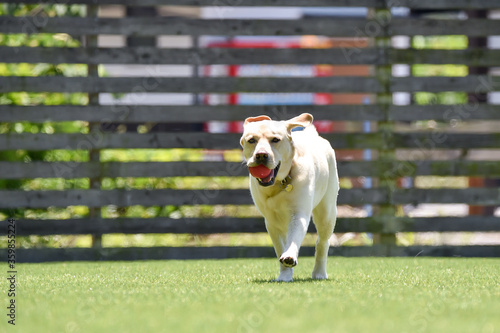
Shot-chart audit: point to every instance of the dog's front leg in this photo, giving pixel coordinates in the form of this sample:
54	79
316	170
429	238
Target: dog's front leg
278	236
297	229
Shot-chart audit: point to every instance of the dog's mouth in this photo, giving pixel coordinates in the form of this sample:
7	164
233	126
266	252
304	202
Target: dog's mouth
269	180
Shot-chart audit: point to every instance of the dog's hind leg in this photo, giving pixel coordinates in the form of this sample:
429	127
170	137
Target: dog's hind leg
324	217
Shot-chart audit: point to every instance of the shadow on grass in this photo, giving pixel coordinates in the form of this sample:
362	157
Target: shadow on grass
295	280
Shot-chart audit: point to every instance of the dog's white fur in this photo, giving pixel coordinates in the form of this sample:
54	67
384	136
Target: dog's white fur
310	161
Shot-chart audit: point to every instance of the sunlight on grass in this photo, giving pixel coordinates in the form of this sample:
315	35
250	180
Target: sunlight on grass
362	295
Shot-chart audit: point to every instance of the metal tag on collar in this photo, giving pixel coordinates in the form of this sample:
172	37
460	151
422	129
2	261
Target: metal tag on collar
285	184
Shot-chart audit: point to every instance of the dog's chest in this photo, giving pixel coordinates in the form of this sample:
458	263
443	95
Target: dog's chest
276	209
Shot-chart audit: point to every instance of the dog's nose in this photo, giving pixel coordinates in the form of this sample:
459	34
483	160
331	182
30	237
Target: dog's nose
261	156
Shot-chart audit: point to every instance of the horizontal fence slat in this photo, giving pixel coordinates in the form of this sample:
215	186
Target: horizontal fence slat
123	198
188	85
444	113
471	83
430	27
339	27
403	168
234	56
202	56
138	226
102	140
469	223
244	225
178	253
441	140
195	113
471	251
419	224
448	168
472	195
69	170
200	113
471	57
149	26
421	4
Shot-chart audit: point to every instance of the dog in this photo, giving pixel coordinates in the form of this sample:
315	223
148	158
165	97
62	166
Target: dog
293	175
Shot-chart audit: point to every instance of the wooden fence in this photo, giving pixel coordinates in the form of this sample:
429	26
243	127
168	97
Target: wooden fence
386	140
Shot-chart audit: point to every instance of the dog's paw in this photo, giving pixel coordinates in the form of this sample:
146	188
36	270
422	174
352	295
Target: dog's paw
288	261
320	276
280	279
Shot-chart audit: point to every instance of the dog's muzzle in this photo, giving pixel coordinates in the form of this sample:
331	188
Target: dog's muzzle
271	178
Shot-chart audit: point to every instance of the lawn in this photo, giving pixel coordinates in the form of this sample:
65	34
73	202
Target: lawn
362	295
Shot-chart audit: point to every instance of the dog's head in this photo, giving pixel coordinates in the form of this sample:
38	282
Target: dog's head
268	147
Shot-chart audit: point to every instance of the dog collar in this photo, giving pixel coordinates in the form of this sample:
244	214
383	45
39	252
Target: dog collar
286	184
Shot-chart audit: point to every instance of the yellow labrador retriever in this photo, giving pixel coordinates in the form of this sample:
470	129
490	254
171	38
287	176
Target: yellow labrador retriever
293	176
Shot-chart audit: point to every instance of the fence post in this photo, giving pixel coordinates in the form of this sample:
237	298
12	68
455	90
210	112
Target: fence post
94	154
387	179
477	97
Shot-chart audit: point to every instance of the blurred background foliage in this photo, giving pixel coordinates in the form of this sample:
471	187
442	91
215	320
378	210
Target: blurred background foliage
116	155
128	155
33	99
440	42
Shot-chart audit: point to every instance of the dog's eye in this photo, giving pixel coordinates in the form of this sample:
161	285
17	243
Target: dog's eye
252	140
275	140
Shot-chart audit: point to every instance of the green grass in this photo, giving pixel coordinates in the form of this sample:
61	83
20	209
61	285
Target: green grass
362	295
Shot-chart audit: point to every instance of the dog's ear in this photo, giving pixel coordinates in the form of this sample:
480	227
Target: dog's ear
303	120
254	119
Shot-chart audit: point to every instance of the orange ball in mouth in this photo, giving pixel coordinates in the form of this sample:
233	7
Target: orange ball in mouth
260	171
